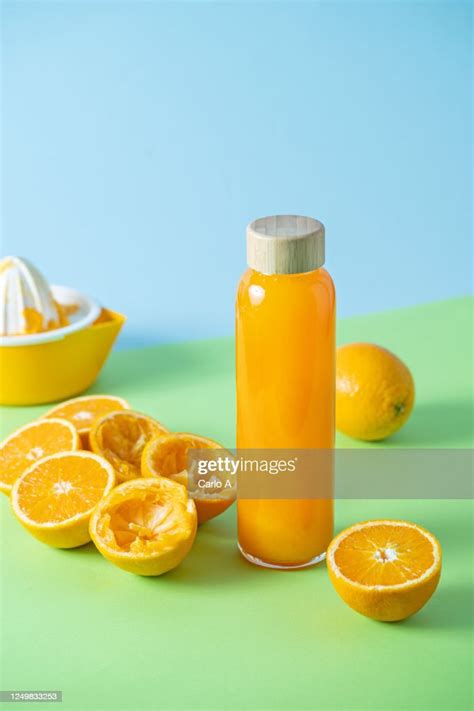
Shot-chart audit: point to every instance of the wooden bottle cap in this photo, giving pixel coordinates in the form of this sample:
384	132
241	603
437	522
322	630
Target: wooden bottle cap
285	244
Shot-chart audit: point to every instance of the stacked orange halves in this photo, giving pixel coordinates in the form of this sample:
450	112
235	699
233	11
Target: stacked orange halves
129	494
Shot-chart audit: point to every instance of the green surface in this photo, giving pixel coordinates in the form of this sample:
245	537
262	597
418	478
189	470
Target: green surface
218	633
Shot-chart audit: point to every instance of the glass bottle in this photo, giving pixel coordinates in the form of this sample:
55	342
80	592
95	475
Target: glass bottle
285	367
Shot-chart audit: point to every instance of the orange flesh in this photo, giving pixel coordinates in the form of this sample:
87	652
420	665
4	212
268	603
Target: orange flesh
149	522
34	319
83	412
285	399
122	439
67	309
30	445
59	489
384	555
171	457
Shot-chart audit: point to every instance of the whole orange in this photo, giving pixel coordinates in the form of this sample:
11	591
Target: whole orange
375	391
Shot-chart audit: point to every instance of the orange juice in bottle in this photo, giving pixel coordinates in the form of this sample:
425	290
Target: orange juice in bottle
285	364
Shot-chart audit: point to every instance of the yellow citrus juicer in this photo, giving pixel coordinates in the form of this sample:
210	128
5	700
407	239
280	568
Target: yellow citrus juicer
54	340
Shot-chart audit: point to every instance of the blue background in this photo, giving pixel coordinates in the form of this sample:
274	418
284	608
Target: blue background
140	138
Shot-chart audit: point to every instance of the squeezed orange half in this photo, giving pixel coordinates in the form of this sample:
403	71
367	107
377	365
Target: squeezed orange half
285	400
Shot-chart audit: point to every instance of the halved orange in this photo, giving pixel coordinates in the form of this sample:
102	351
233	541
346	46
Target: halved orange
121	437
168	456
54	498
386	570
32	442
82	411
145	526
